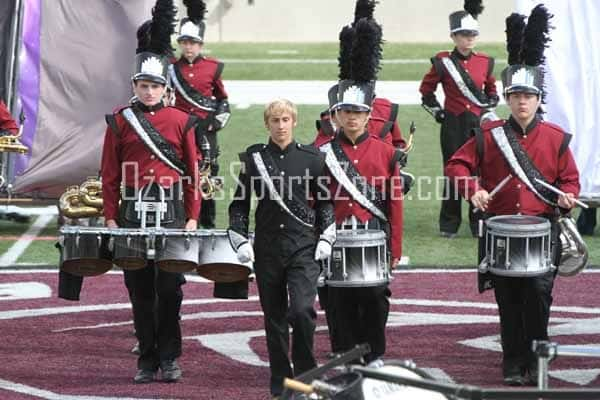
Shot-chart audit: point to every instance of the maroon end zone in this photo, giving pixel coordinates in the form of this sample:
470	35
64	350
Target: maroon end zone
54	349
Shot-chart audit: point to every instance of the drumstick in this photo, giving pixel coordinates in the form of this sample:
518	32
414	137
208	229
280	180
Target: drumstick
317	386
297	386
560	192
499	186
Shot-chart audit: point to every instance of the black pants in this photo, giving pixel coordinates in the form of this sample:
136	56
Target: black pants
360	316
586	222
455	131
275	278
208	211
156	297
524	308
329	310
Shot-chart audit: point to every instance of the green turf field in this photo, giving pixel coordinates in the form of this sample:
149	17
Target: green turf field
421	243
252	69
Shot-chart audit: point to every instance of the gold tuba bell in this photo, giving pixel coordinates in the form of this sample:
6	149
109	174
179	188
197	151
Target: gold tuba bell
84	201
574	251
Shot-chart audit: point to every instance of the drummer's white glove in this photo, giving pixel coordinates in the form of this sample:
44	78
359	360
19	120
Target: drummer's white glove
323	250
326	240
241	246
245	253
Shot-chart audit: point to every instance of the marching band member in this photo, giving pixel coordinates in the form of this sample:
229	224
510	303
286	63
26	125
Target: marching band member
8	125
294	228
382	124
528	148
371	197
148	145
199	90
470	87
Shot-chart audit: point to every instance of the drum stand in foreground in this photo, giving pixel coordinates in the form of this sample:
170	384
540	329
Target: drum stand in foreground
350	383
548	351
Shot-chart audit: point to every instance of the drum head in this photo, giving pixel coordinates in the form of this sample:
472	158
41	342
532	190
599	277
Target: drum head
86	266
223	272
382	390
130	263
178	266
515	224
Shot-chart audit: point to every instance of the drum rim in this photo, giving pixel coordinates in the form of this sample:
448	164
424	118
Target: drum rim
344	243
371	283
496	224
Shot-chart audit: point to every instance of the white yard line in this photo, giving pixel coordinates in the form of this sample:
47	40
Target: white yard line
243	93
282	52
49	395
11	256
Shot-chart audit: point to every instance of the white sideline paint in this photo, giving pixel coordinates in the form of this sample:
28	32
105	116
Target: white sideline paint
48	395
40	312
11	256
24	291
50	210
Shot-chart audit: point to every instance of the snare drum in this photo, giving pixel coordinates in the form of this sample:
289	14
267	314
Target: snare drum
218	261
382	390
359	258
517	245
84	250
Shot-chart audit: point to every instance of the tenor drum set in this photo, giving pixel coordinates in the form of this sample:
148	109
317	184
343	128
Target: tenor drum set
92	251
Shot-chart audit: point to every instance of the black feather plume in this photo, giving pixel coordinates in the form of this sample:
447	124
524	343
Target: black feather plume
196	9
473	7
344	58
366	50
515	25
143	36
536	36
163	26
364	9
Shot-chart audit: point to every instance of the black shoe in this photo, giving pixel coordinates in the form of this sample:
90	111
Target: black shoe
514	376
170	370
144	376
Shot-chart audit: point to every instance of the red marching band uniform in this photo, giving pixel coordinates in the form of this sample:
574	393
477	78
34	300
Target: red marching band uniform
375	161
126	147
480	68
543	145
204	75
